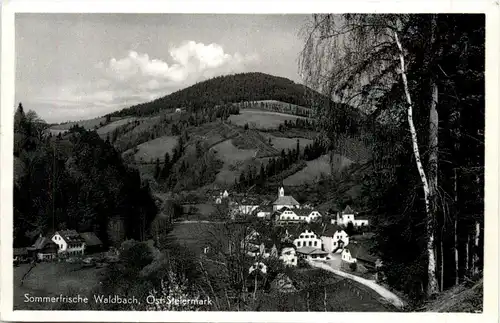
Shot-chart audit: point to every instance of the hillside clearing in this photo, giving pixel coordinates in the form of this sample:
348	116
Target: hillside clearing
317	168
156	148
102	131
233	159
280	143
261	119
87	124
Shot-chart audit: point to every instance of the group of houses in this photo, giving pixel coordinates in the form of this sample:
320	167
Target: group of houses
65	243
285	209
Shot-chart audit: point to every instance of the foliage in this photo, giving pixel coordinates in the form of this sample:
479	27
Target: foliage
364	72
77	182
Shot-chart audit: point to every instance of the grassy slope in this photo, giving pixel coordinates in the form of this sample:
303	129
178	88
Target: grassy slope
261	119
315	169
156	148
461	298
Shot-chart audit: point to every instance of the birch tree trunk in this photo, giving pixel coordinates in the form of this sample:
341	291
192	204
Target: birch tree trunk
467	254
475	264
442	266
432	285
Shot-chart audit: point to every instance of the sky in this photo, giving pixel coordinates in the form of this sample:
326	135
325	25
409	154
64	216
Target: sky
81	66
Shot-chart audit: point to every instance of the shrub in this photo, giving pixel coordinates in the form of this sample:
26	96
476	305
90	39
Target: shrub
353	266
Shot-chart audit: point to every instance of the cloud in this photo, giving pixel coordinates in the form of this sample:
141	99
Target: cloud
121	82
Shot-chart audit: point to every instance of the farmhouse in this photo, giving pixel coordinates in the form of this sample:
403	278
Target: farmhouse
264	211
92	242
348	215
307	239
334	239
43	249
311	253
284	201
69	242
357	253
287	215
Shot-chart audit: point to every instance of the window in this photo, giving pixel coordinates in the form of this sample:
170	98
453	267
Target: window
310	243
298	243
315	243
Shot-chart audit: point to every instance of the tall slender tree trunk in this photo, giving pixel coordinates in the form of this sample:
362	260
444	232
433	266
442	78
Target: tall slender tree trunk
475	263
466	269
432	284
442	264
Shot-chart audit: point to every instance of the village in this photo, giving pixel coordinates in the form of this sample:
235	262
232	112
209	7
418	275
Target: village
302	235
305	236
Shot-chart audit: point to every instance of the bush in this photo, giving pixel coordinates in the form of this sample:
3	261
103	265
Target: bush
353	266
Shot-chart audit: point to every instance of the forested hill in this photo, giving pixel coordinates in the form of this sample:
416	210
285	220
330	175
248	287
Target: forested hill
229	89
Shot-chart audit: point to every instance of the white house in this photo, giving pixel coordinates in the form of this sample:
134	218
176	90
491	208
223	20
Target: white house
311	253
69	242
334	239
264	211
348	215
221	197
284	201
307	239
297	215
348	256
289	256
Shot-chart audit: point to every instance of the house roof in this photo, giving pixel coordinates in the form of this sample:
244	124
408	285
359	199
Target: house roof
330	230
70	236
40	243
311	251
348	210
286	200
264	208
359	252
306	250
304	212
91	239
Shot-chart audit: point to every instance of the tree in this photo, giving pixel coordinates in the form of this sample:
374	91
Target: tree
157	169
369	55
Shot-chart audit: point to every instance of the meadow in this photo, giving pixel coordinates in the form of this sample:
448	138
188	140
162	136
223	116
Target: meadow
261	119
156	148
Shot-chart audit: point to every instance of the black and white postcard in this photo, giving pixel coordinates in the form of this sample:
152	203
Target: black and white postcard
278	162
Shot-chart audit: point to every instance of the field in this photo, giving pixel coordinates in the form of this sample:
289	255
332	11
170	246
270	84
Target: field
87	124
312	172
233	158
260	119
156	148
280	143
195	236
53	279
102	131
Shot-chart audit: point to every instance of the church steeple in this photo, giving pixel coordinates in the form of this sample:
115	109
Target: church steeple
281	192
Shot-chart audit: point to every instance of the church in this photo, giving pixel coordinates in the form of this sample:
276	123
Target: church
284	201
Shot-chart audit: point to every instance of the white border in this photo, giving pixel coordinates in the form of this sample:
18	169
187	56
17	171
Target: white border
492	10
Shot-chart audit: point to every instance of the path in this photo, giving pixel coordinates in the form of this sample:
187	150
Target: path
386	294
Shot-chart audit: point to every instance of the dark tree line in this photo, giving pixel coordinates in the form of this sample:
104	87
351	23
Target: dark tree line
77	181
